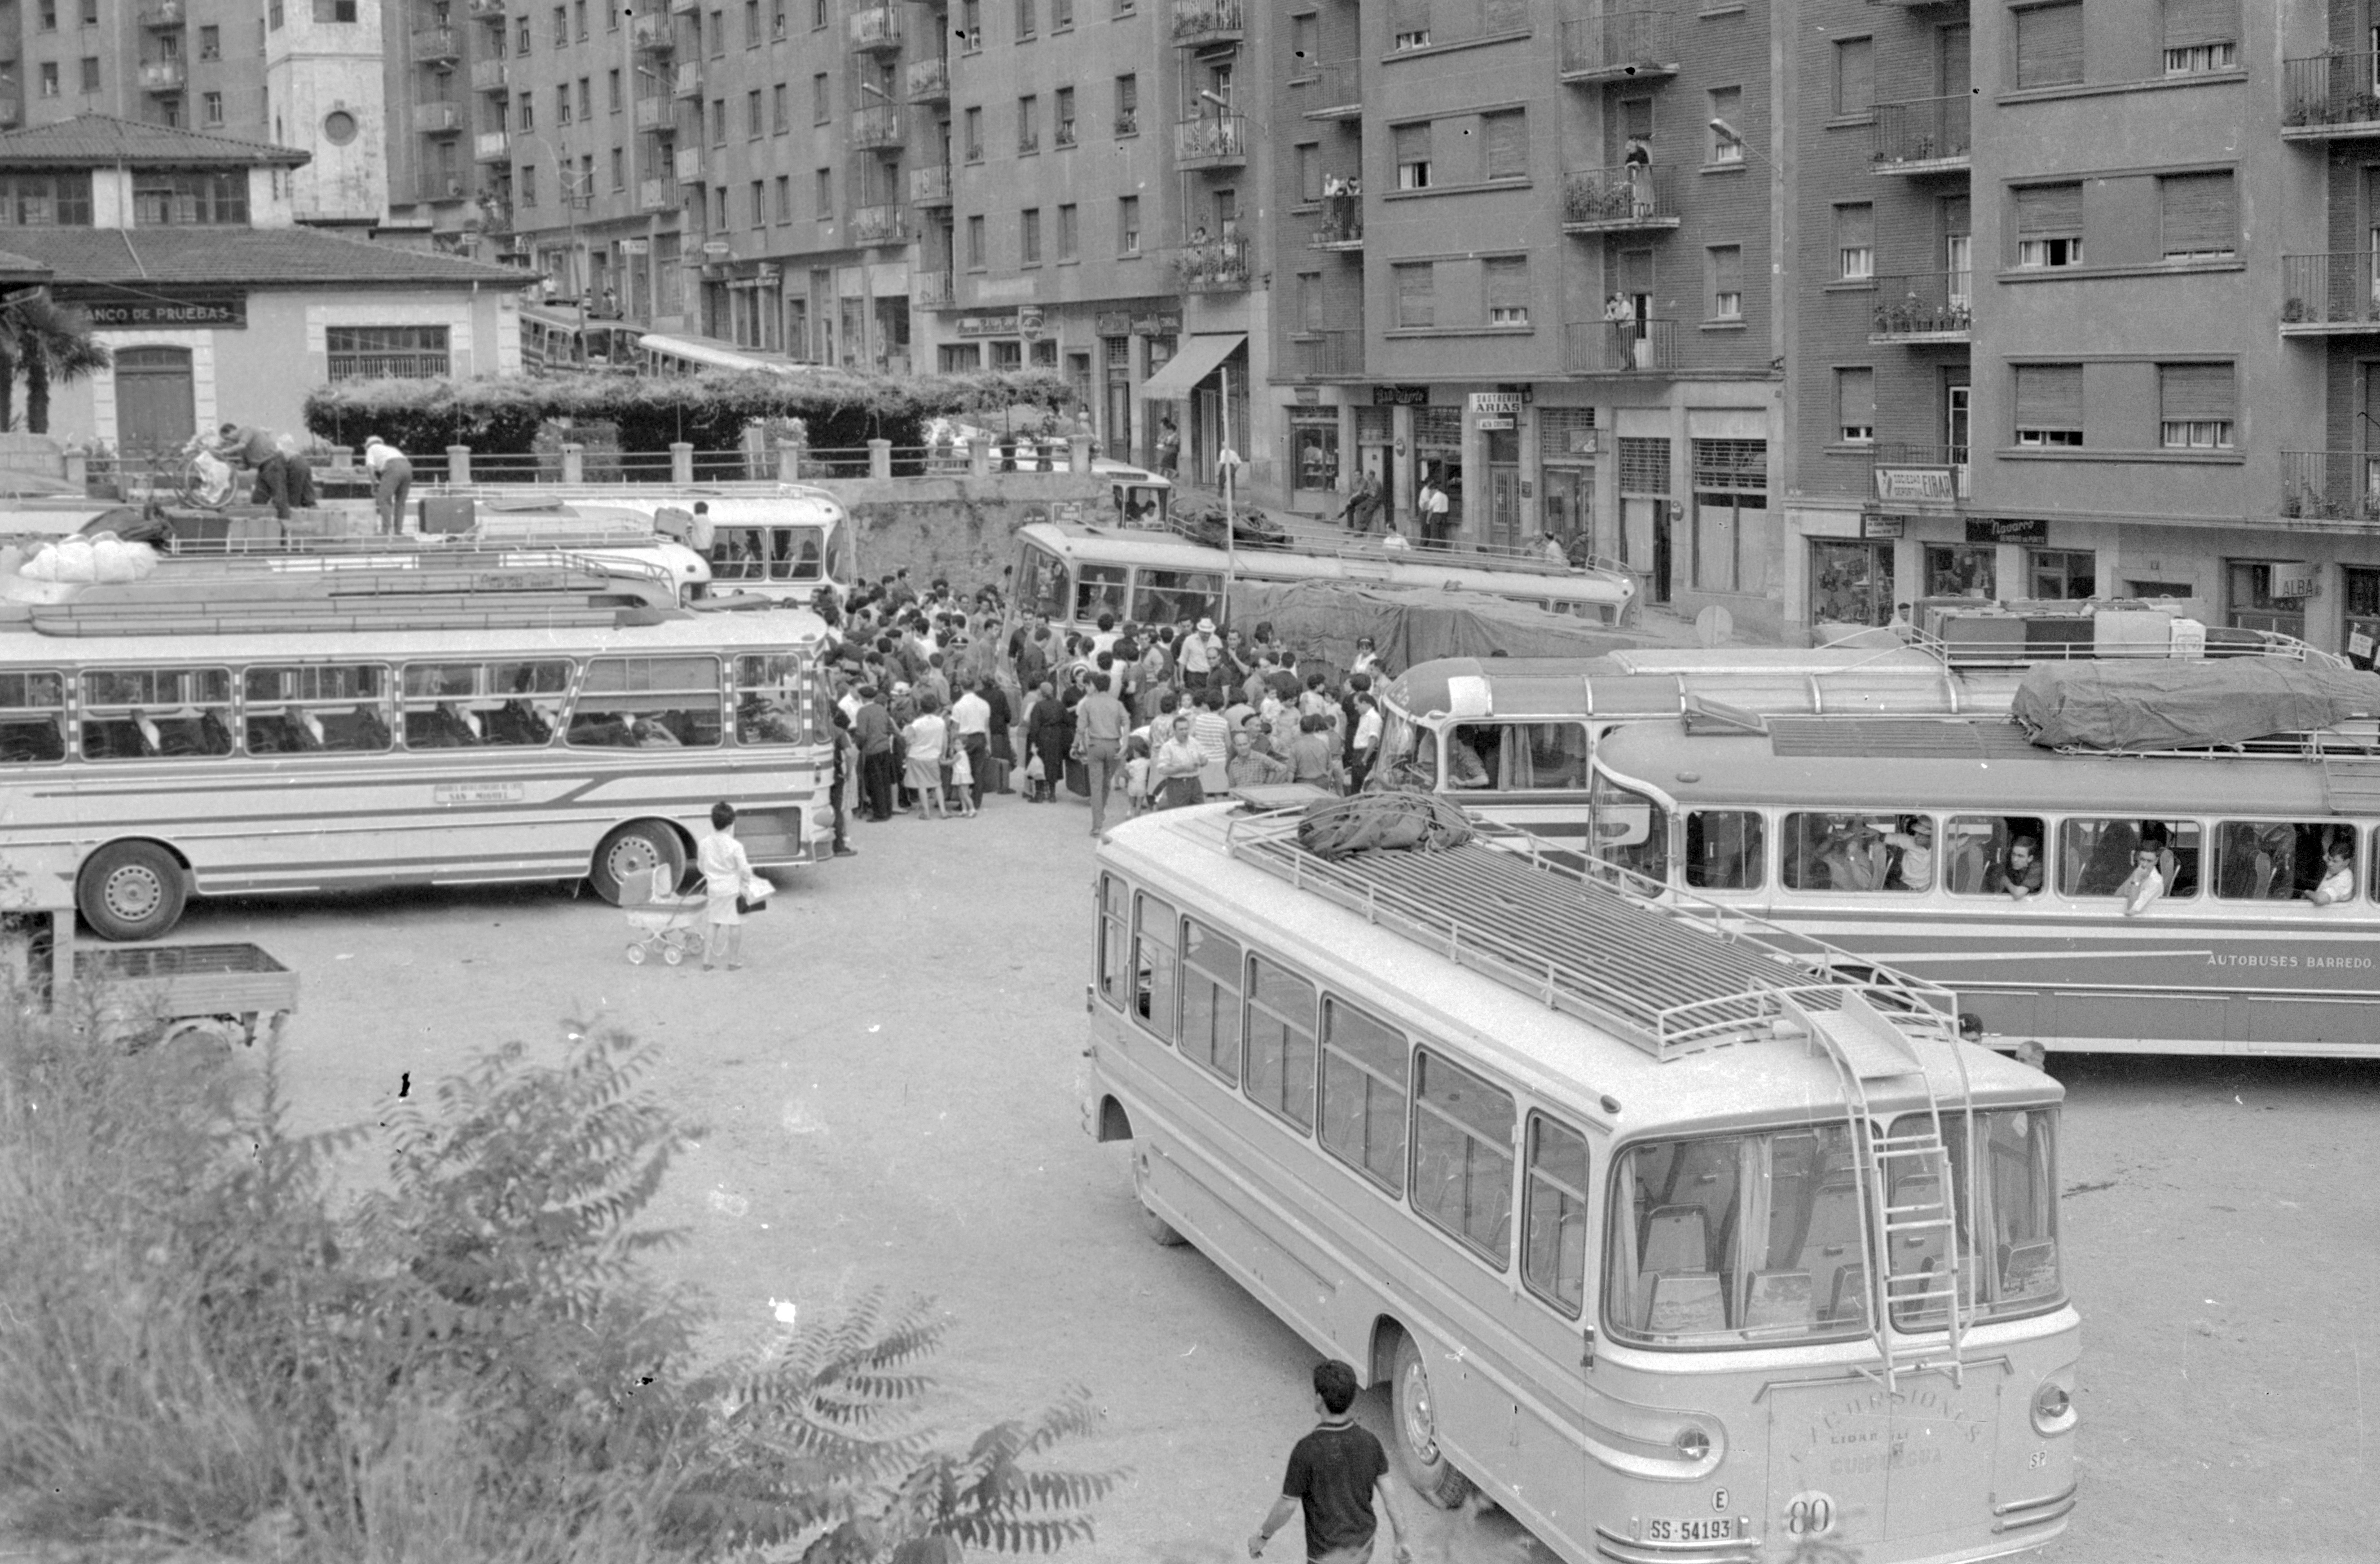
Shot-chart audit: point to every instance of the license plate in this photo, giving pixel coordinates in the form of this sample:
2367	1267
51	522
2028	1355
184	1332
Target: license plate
1721	1528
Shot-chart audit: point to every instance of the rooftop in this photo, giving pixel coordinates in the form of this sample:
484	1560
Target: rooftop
252	256
95	140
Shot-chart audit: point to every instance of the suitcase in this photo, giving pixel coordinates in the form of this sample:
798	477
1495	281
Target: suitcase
447	514
1079	778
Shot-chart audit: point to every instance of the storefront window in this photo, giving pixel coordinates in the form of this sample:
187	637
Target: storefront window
1438	453
1962	570
2362	615
1851	582
1314	437
2252	604
2064	574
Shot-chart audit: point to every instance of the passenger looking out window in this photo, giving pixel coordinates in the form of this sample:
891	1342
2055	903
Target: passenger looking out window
1982	856
1725	849
2101	857
2282	861
1859	853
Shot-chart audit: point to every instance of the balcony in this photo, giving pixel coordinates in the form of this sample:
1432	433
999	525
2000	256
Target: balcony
686	79
686	8
437	118
436	186
1622	46
1343	224
492	146
163	76
1326	355
1213	142
1919	476
653	114
877	28
1924	307
1213	265
688	166
2330	96
488	76
928	80
930	185
1618	347
878	225
434	44
1337	91
2330	295
875	130
2342	486
653	32
488	11
1197	23
1628	198
931	290
1924	136
656	195
162	15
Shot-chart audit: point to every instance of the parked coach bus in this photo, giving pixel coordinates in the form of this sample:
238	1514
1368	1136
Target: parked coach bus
1957	850
143	766
1681	1248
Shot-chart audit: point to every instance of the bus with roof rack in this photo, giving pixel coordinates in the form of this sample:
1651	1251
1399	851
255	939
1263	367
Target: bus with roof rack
1680	1236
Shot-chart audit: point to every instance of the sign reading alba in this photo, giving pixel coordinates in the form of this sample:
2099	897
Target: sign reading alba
125	308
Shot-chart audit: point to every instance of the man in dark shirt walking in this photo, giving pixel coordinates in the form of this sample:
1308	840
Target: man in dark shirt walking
1334	1473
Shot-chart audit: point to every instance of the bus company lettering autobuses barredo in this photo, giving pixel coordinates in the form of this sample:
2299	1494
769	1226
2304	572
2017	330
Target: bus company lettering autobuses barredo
146	764
1680	1248
1959	850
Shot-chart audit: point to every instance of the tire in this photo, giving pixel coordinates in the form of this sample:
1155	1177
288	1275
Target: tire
1413	1414
1163	1233
636	955
131	891
672	955
631	851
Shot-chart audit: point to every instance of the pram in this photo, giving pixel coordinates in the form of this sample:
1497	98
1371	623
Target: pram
669	923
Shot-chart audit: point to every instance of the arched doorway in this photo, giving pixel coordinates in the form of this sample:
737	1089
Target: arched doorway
156	409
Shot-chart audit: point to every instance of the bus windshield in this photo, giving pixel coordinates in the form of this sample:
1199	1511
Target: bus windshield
1408	750
1758	1239
1041	583
1631	830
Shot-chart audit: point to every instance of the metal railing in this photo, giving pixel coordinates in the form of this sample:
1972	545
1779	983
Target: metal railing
1621	197
931	290
1924	131
1338	88
1621	43
1210	140
879	224
1342	223
162	13
878	26
875	128
1610	347
652	32
490	146
437	117
435	43
488	76
928	80
487	10
1214	265
2331	485
2330	290
1925	304
929	185
388	366
1328	353
163	76
2330	92
1208	21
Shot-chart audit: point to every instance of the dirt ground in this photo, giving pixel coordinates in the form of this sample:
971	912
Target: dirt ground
891	1091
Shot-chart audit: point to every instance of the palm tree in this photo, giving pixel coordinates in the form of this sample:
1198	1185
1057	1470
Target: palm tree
49	343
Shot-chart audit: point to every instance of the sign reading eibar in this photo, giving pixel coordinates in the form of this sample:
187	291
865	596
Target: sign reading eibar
1916	486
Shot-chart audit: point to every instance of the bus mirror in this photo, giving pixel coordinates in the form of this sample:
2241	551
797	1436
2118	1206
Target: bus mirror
1587	1349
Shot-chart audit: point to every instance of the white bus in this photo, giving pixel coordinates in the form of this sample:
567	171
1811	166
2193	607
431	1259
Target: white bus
1680	1247
146	766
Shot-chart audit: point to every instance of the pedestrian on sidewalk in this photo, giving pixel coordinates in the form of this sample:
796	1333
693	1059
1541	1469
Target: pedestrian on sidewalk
727	879
1101	724
1334	1474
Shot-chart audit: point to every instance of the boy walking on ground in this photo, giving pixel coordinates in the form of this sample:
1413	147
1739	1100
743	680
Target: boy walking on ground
1334	1474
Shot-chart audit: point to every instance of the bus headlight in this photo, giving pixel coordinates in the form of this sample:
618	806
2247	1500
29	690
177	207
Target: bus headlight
2053	1408
1692	1444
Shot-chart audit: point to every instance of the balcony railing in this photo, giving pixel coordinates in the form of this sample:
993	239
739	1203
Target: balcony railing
1612	348
2330	295
1199	22
685	80
1317	354
490	146
487	10
436	43
2330	485
1342	222
875	128
931	290
1924	136
653	114
488	76
2330	95
929	185
1337	91
879	224
163	76
1624	44
1212	141
1618	199
653	32
1213	265
1924	307
437	118
688	166
655	195
879	27
162	14
929	79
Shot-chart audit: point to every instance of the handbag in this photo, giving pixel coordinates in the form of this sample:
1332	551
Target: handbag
1034	770
747	905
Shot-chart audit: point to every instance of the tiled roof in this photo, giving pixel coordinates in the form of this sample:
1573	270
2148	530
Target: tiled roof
255	257
21	268
94	140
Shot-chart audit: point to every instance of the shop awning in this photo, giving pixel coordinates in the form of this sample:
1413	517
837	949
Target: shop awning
1198	359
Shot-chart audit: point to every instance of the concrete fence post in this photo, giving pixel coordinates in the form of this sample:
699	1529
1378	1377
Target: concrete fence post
978	459
1078	453
459	464
681	462
574	462
880	458
342	458
789	461
77	465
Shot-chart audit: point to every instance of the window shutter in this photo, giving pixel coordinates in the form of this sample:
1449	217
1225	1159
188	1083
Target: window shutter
2199	212
1416	296
1855	75
1508	283
1507	145
1727	269
2195	392
1636	270
2190	23
1855	399
2049	45
2049	396
2049	209
1855	226
1503	16
1408	16
1412	143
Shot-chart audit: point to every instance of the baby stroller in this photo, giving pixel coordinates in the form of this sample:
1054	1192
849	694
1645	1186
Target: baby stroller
668	922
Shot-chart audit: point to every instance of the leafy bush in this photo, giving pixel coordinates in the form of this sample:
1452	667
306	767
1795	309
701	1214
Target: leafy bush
472	1363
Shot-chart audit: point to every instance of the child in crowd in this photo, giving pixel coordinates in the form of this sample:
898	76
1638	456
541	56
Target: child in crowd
1135	772
962	781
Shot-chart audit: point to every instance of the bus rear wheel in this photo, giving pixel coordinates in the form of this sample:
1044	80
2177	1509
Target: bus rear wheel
1416	1417
1163	1233
131	891
631	854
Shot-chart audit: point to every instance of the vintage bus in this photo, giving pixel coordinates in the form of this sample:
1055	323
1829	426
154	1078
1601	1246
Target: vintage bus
1957	850
1075	574
150	758
1679	1247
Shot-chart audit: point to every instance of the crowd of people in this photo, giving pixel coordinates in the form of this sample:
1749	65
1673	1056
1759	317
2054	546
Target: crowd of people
942	701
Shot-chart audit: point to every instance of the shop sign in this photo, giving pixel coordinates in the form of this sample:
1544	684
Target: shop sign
1326	417
1917	486
634	247
716	247
1399	396
1309	394
988	325
1028	321
769	271
1114	323
1884	525
1494	423
1157	325
117	309
1505	405
2297	580
2007	531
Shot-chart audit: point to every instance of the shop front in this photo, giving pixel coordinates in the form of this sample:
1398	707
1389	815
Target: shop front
1566	452
1314	464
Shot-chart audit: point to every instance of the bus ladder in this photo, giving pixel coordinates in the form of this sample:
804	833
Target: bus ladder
1869	1049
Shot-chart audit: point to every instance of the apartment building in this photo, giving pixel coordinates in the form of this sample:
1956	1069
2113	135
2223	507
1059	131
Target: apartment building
1529	250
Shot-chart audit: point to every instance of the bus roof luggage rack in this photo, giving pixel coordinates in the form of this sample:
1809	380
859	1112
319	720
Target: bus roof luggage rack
1670	979
2019	632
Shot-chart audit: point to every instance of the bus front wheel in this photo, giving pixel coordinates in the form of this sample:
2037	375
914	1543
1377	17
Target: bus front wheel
1416	1416
631	854
131	891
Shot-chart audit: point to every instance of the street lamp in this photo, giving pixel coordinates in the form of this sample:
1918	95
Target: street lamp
575	191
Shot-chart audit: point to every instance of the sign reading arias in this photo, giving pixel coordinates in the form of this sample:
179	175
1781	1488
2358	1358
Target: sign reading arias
127	310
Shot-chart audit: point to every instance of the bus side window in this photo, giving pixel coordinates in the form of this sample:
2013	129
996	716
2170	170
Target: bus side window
1463	1156
767	708
1979	854
1726	849
1363	1076
1100	588
1211	999
648	703
32	717
1115	950
1281	1042
1546	755
1155	979
1553	1215
2266	861
1473	755
336	710
134	713
1842	852
2098	857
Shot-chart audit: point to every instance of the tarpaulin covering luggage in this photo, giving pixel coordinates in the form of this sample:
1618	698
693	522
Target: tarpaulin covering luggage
1399	818
2186	705
1410	624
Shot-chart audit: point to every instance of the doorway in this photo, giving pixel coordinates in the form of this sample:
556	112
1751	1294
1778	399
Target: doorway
1569	508
1503	453
157	405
